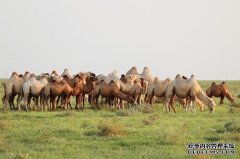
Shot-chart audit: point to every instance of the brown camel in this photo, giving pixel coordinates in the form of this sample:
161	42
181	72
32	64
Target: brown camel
64	89
219	91
89	87
109	91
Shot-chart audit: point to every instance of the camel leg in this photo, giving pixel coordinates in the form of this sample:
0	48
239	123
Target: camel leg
221	99
11	102
166	104
6	101
139	99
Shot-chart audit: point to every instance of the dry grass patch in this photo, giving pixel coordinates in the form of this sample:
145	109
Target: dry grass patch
110	129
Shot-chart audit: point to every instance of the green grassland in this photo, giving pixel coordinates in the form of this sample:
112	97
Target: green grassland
135	132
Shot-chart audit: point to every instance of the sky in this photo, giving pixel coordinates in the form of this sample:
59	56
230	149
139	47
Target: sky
200	37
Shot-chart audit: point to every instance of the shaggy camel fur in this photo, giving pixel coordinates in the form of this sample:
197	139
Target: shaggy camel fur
219	91
109	91
187	88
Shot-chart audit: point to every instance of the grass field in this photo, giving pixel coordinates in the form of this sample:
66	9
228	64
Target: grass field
136	132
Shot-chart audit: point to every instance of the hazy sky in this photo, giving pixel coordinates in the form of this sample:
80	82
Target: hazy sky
200	37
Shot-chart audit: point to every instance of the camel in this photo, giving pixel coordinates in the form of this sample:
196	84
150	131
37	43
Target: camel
219	91
89	87
138	89
32	88
157	89
64	89
187	88
80	80
12	88
109	91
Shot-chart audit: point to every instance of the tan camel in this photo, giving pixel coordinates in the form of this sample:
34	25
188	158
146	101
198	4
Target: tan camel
157	88
187	88
32	88
219	91
12	87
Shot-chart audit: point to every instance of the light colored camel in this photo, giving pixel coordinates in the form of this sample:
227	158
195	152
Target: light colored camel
187	88
157	89
32	88
12	87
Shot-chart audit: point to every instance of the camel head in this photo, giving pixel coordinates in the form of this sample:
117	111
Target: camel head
82	77
129	99
211	105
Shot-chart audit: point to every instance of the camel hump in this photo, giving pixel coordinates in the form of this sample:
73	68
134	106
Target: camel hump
123	76
214	83
21	75
184	77
112	82
223	83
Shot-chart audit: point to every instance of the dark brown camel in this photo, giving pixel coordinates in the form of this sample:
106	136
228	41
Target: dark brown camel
89	87
109	91
219	91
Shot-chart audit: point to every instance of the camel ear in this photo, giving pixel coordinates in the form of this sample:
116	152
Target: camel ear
223	83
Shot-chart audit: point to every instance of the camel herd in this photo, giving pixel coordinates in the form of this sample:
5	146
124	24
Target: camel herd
49	91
